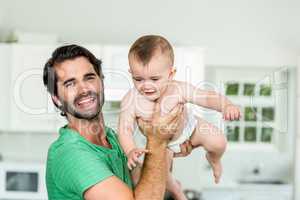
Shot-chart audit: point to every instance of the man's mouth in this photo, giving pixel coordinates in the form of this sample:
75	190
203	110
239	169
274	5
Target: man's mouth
86	101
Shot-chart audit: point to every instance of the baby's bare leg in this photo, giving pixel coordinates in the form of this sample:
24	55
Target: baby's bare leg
213	141
173	186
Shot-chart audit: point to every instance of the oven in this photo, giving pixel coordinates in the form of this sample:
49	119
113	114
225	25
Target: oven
22	181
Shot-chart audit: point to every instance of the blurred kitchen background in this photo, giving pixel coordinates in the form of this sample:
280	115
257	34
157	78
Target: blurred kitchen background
247	50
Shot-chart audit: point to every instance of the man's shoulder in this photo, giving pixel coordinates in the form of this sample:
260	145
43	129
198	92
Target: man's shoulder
66	141
110	132
113	137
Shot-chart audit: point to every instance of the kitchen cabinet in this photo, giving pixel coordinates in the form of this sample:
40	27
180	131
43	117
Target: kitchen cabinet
117	79
4	85
31	108
189	64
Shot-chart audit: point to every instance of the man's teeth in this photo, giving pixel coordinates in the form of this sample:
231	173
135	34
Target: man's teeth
86	100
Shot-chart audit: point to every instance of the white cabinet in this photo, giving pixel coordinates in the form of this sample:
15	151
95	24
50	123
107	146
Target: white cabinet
117	79
4	85
189	64
31	107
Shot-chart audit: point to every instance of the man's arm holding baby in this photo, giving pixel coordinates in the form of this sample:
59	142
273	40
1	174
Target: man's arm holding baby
158	133
209	99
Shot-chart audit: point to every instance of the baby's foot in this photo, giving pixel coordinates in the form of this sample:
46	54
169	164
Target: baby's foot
216	167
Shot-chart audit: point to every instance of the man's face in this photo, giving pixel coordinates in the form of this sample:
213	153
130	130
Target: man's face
79	88
151	79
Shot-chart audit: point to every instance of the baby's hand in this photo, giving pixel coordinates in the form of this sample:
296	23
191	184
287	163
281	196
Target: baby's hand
133	157
231	112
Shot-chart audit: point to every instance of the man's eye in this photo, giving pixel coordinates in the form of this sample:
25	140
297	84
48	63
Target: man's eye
69	84
90	78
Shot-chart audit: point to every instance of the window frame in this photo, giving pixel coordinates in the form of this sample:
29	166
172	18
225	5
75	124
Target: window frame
222	74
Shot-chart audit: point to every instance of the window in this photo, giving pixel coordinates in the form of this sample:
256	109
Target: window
252	128
255	90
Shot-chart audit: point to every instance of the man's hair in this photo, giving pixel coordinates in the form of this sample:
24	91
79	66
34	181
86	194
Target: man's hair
145	47
61	54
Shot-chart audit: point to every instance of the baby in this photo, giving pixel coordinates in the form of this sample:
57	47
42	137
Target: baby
151	60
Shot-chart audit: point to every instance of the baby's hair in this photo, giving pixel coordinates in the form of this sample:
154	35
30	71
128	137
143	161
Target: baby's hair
146	46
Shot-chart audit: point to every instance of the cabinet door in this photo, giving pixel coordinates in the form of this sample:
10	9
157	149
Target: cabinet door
31	107
5	55
117	79
189	64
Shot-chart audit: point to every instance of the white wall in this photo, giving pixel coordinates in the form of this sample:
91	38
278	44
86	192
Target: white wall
2	10
233	32
297	142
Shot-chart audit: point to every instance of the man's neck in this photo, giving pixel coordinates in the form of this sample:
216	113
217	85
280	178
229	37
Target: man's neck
92	130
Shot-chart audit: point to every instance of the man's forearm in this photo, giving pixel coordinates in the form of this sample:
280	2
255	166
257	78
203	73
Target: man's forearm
152	184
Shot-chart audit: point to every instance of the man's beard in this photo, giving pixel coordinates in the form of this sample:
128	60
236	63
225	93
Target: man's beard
70	108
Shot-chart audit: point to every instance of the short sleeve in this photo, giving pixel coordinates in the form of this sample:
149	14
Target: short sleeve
76	169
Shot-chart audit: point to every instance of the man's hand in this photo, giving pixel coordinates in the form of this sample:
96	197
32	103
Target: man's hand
186	149
162	128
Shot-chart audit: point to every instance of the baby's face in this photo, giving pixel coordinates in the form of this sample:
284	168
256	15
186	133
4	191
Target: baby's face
151	79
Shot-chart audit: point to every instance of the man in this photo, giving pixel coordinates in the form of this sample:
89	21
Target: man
86	161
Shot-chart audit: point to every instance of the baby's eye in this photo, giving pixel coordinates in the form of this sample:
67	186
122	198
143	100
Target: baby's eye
154	79
137	79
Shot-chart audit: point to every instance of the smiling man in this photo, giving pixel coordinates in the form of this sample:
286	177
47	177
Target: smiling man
86	161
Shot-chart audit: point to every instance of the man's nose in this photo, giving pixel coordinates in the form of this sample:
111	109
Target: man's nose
82	87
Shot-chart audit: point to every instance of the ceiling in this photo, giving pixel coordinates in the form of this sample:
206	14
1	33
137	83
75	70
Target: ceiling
237	24
196	22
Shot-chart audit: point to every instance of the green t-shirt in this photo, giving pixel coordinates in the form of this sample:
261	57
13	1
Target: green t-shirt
74	164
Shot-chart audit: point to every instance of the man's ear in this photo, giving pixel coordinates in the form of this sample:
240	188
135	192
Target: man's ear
56	100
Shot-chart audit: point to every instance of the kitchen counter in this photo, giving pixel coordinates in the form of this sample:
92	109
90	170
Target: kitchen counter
249	192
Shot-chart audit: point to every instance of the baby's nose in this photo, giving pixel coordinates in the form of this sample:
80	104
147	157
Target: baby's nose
149	86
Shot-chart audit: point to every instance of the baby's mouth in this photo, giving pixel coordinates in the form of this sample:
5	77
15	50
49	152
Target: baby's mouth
149	92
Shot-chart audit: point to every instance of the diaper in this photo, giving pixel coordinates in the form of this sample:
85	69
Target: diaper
186	133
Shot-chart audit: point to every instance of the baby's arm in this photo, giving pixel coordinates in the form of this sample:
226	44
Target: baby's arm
127	123
126	129
210	99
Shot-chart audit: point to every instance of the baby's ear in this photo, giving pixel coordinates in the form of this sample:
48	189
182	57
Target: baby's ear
129	70
173	72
